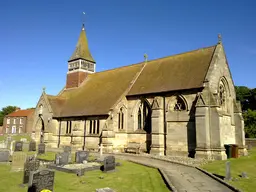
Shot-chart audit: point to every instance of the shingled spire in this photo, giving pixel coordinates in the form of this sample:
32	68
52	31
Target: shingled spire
80	63
82	49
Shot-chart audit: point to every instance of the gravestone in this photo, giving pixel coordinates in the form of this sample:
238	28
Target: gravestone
42	179
3	145
31	164
32	146
80	172
228	171
109	163
41	148
18	146
11	147
18	160
61	158
244	175
81	156
4	155
25	146
67	149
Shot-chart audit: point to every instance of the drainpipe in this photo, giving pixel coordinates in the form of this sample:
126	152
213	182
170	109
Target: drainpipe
84	134
59	133
165	127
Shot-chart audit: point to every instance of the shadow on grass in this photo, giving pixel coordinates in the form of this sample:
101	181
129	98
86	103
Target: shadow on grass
219	176
32	188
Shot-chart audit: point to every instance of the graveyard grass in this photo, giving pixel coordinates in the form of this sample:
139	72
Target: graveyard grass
243	164
16	137
127	177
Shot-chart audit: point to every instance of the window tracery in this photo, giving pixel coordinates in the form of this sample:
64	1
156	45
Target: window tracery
177	104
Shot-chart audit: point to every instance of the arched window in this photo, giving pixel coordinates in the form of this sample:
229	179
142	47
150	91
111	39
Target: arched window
121	119
180	104
222	94
139	119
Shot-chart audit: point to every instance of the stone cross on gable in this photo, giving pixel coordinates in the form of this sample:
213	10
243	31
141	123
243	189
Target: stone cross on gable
219	38
146	57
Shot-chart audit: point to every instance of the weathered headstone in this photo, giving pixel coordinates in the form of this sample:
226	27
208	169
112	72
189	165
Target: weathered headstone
106	189
109	163
30	165
61	158
4	155
101	149
11	147
18	160
42	179
25	146
67	149
32	146
18	146
228	171
80	172
3	145
23	139
41	148
81	156
244	175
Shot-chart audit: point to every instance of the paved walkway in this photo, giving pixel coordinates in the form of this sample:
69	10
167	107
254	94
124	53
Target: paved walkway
183	178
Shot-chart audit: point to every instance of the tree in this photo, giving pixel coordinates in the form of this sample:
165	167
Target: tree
250	123
247	97
5	111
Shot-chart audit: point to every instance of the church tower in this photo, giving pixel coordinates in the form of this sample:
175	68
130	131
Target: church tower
80	63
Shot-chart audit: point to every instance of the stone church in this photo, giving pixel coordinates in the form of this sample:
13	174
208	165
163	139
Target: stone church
183	105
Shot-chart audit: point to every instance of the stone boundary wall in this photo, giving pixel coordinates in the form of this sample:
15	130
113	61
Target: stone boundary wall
250	141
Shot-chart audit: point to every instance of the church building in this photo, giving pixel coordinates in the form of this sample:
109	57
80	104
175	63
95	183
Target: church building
179	105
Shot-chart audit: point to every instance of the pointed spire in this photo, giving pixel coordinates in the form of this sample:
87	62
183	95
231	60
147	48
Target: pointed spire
82	49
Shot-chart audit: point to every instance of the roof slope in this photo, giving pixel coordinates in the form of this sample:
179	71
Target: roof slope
99	92
21	113
82	48
178	72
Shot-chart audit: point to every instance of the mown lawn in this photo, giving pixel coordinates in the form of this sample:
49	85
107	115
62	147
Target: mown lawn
243	164
15	137
127	177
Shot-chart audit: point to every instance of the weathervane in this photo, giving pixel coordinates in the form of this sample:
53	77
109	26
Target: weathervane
83	19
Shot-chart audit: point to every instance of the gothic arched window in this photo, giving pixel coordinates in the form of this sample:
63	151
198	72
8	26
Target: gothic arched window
180	104
121	119
222	94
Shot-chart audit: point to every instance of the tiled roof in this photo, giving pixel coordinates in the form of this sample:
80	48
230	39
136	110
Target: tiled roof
100	91
21	113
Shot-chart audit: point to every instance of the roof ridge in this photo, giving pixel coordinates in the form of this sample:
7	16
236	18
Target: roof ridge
155	59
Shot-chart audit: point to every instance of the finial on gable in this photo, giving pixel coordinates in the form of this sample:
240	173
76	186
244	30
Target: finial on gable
219	38
145	57
44	89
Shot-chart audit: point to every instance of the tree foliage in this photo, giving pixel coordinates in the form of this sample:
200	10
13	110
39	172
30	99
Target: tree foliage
247	97
5	111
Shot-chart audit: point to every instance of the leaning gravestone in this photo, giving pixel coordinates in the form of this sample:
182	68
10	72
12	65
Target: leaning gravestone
18	146
31	164
109	163
62	158
41	148
81	156
18	160
67	149
42	179
25	146
228	172
32	146
4	155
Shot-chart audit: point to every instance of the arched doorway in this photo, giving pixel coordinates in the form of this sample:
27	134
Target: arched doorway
144	121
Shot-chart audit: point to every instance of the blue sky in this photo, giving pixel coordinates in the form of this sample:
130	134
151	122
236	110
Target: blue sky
38	37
